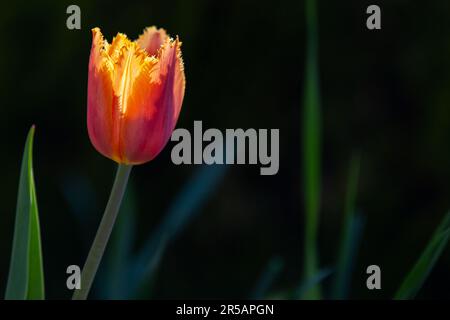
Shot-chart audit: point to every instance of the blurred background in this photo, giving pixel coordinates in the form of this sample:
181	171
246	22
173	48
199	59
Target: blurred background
196	232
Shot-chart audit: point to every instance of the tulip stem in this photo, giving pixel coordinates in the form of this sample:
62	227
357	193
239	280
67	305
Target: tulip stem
103	232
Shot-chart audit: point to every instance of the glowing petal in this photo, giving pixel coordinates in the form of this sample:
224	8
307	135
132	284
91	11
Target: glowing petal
135	93
151	40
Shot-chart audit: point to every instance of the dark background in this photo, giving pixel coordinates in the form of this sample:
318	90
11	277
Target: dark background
384	93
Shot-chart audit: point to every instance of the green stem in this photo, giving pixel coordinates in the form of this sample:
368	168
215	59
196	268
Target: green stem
103	232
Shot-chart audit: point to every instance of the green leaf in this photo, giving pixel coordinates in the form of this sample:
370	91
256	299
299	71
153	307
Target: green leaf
26	277
303	291
311	146
352	230
271	272
419	273
183	208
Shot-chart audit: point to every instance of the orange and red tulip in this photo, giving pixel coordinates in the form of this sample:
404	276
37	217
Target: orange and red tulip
135	93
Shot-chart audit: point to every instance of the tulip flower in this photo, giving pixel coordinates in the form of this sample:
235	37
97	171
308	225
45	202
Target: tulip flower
135	92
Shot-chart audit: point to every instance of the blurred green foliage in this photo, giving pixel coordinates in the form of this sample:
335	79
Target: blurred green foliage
385	93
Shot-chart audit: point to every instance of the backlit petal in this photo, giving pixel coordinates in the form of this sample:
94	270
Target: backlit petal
135	92
154	105
151	40
102	110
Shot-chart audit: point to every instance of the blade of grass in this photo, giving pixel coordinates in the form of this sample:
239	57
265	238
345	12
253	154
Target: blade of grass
421	270
36	290
267	278
351	232
183	209
347	254
304	289
311	146
26	275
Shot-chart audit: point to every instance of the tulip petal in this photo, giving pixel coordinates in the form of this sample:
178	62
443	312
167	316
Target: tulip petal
135	92
154	105
151	40
102	110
